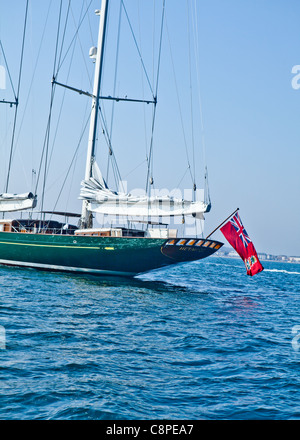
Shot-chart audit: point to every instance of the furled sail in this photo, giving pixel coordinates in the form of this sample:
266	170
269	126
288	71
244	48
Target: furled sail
104	201
17	202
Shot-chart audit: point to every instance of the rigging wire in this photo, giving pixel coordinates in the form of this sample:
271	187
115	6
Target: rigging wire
31	83
137	47
191	100
112	158
8	126
64	93
63	37
184	174
17	99
142	80
197	51
114	88
8	71
47	135
135	168
115	168
149	180
81	48
75	162
34	72
54	75
74	37
90	27
57	62
179	105
71	164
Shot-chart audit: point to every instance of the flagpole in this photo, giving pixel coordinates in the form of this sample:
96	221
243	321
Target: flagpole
223	222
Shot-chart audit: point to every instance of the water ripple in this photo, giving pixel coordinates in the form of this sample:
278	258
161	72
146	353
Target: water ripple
202	341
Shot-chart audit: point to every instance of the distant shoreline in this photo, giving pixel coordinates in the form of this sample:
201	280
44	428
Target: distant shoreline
230	253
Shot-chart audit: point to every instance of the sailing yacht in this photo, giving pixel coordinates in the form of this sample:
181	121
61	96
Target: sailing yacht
123	251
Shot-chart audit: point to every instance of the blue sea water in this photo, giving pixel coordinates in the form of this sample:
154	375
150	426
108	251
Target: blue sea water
198	341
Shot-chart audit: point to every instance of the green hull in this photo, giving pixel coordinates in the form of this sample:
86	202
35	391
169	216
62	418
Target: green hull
127	256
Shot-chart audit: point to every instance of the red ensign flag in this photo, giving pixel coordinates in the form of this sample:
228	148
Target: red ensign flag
236	235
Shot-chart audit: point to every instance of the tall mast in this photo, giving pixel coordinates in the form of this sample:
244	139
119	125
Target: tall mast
85	215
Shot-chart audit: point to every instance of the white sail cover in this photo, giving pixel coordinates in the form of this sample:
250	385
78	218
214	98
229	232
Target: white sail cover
16	202
104	201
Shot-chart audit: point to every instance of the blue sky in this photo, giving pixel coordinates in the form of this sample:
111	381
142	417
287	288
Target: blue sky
245	53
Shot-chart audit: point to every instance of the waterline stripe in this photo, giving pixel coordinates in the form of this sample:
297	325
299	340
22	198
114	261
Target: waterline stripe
53	267
50	245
